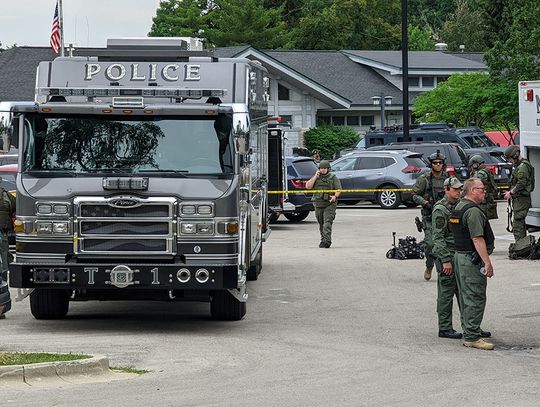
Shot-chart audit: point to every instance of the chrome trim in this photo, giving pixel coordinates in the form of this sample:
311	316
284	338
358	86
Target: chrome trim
24	238
211	257
196	215
44	256
52	214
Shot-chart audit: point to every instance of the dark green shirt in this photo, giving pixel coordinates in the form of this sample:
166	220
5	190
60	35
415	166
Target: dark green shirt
443	238
474	220
325	182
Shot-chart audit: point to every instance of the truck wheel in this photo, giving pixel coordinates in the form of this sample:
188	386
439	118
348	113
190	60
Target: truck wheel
224	307
255	268
49	304
389	199
297	216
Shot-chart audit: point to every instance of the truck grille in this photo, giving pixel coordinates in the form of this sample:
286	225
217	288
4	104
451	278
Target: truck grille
144	228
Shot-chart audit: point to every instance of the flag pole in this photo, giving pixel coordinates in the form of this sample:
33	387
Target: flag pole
61	16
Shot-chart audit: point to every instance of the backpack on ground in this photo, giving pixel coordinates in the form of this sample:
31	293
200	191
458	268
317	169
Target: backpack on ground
522	248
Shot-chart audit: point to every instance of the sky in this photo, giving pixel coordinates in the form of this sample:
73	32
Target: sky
86	22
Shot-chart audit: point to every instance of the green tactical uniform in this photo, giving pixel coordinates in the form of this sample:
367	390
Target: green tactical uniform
521	186
429	188
443	251
468	221
7	211
325	212
489	206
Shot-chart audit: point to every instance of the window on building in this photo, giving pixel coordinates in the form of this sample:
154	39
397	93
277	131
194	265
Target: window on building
427	81
368	120
352	120
414	81
323	120
283	92
338	120
441	79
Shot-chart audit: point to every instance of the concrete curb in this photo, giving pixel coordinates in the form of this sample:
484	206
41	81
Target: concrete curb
37	372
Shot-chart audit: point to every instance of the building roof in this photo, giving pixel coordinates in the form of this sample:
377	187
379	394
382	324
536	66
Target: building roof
418	61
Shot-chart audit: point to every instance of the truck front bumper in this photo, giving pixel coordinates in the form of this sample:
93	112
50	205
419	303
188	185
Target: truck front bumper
113	275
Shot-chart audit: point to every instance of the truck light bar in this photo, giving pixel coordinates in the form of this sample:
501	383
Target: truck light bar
144	92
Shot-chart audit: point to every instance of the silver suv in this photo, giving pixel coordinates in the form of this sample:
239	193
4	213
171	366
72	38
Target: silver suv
374	170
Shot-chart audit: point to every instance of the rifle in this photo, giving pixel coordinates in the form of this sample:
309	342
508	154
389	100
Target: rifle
419	225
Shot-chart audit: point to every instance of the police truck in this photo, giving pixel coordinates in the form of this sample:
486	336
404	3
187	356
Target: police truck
142	176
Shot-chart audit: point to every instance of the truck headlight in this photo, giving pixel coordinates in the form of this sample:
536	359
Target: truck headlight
205	228
204	210
188	209
60	227
188	228
44	209
60	209
44	228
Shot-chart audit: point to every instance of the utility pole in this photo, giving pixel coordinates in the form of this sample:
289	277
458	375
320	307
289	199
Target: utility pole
405	69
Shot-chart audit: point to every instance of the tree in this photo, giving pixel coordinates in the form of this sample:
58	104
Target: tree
420	39
430	14
465	26
246	22
468	98
183	18
329	139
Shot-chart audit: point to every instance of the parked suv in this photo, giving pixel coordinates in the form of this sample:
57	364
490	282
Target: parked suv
299	170
456	158
379	170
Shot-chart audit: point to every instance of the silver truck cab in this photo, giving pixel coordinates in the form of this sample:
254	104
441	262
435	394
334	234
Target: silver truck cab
142	175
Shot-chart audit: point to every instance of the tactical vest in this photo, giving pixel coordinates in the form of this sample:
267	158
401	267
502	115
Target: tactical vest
462	238
323	183
530	185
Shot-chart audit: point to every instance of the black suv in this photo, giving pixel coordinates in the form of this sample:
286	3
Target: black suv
456	158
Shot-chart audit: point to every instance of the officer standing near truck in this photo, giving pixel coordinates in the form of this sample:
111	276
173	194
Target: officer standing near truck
443	251
479	170
428	189
325	203
521	186
474	241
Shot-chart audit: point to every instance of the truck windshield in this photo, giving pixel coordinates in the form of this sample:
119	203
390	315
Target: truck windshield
89	144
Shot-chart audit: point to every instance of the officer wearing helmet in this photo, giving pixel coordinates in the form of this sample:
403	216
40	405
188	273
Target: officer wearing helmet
316	154
521	186
479	170
428	189
325	203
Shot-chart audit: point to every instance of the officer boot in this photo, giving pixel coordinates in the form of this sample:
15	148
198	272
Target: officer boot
479	344
427	273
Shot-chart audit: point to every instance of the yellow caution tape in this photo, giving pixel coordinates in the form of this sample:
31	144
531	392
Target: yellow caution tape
326	191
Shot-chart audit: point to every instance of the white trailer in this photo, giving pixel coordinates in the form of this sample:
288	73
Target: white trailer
529	135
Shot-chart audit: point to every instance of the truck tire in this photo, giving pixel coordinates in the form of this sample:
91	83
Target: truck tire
255	267
224	307
49	304
273	218
296	216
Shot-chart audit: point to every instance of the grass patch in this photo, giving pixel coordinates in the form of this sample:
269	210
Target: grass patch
129	370
20	358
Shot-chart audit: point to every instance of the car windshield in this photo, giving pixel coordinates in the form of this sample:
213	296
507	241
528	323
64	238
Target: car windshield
88	144
478	140
305	168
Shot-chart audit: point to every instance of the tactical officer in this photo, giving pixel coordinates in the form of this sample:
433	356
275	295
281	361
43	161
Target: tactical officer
521	186
325	203
316	154
427	190
479	170
474	241
443	251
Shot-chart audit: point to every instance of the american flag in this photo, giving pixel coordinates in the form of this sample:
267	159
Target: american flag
55	32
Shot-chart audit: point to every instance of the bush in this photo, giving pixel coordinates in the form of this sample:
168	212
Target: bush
329	138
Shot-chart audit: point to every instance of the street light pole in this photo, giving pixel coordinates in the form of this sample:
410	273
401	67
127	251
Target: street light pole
382	101
405	69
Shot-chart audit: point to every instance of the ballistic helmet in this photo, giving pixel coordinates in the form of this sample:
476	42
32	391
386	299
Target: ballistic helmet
324	164
315	152
511	152
437	156
476	160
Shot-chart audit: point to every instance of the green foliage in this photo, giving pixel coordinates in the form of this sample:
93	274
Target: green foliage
420	39
465	26
329	138
20	358
246	22
469	98
179	18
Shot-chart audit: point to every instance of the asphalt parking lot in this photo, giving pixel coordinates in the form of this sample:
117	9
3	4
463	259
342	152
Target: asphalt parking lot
325	327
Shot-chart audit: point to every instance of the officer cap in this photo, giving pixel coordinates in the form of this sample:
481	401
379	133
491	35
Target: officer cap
453	182
324	164
476	159
437	156
511	152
